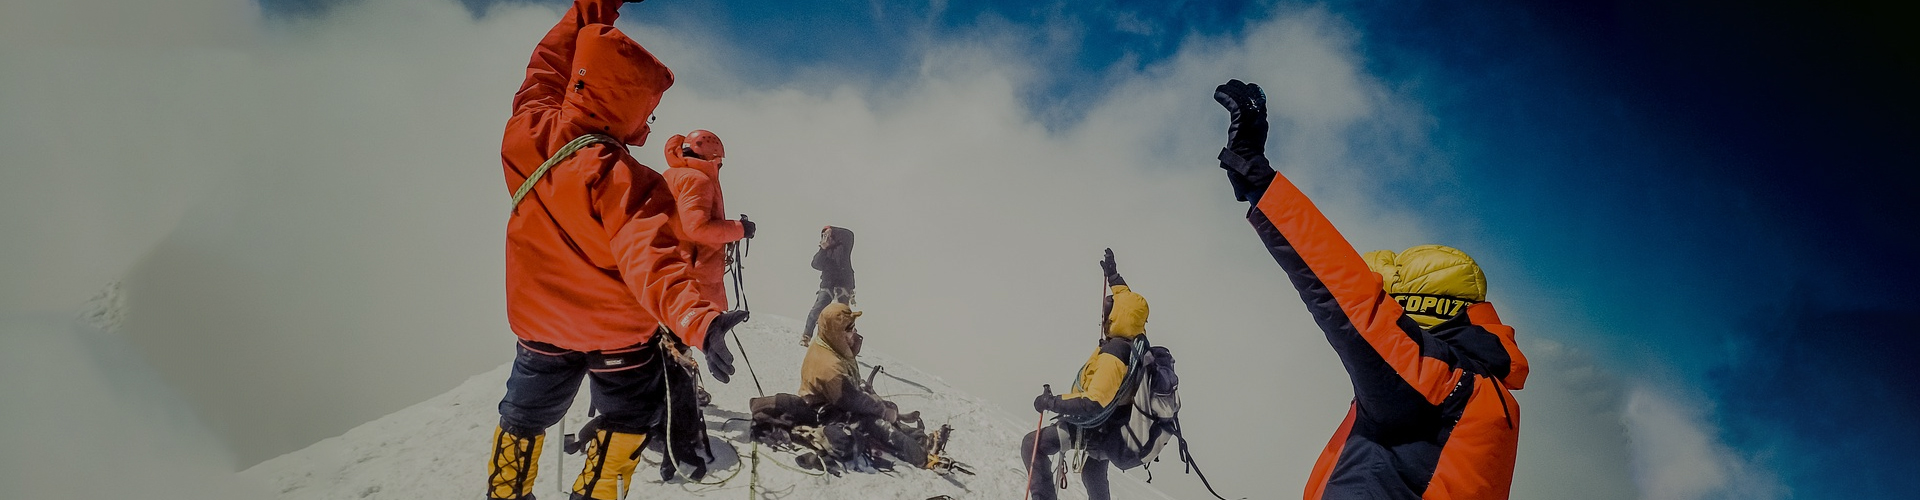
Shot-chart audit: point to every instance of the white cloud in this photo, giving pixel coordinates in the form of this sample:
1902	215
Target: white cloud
309	215
1677	456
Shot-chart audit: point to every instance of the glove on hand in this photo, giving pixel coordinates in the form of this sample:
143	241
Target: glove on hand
1045	401
1247	109
746	228
719	358
1110	270
1245	155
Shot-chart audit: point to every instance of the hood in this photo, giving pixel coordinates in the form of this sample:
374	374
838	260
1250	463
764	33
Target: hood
614	85
1479	336
842	244
677	158
841	237
835	329
1128	317
1433	283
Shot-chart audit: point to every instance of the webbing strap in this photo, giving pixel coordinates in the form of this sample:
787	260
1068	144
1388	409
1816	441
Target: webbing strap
1254	169
564	152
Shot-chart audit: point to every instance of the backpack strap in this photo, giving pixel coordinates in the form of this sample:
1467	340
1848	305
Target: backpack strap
1127	385
1187	457
565	151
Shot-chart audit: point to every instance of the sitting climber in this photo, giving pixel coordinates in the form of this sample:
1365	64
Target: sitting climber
836	413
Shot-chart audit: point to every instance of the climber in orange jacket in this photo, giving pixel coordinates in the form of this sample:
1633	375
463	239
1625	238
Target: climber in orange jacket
1432	367
693	174
594	270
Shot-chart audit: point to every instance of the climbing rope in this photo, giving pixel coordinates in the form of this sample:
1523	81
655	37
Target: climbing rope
565	151
668	432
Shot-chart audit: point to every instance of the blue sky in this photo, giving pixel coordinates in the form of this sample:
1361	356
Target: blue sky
1722	187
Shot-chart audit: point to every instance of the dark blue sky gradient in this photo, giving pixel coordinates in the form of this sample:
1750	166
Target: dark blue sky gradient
1727	186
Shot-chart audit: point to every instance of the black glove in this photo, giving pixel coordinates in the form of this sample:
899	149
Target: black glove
719	358
1245	155
1045	401
746	228
1109	269
1247	109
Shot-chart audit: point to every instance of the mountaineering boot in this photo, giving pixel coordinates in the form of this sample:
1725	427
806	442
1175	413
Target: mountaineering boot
902	444
608	473
516	460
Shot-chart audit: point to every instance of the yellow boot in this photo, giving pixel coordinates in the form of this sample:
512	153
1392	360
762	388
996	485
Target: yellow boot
608	473
516	460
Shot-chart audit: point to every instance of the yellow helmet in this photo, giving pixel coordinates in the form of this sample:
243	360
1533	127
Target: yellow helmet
1432	282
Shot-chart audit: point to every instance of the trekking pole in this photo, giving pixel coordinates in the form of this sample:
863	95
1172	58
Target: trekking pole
1034	454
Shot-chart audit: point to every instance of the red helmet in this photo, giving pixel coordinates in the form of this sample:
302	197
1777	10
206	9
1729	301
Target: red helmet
704	145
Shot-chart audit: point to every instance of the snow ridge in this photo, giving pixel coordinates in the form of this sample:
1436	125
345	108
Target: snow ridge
437	449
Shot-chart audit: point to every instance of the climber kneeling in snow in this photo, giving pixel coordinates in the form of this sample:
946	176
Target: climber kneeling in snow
1431	365
1097	400
594	271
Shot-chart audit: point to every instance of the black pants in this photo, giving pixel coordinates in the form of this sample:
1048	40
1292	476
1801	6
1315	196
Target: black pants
1093	475
628	389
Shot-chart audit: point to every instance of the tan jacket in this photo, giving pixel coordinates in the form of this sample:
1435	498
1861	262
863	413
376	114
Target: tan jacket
830	366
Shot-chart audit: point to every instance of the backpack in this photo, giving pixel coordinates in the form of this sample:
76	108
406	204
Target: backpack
1152	396
1155	403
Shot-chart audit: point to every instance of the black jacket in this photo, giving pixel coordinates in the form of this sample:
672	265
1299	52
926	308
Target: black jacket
835	262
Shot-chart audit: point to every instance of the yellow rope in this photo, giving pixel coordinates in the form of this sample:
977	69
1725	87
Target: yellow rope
565	151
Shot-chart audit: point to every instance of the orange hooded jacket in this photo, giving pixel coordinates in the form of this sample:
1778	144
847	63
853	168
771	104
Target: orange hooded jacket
702	226
1433	416
592	262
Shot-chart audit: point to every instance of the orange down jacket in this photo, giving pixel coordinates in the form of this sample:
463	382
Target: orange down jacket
592	262
1433	416
702	226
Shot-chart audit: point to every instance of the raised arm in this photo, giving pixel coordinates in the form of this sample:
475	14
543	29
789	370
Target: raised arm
1385	353
547	77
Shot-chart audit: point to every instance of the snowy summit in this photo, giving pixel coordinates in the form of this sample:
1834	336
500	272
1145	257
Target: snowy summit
437	449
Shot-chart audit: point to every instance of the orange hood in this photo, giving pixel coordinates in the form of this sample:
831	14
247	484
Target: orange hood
614	85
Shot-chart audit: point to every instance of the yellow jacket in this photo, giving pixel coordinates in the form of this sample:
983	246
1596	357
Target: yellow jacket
1106	369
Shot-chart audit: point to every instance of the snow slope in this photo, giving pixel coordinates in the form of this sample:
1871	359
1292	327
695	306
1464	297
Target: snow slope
437	449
